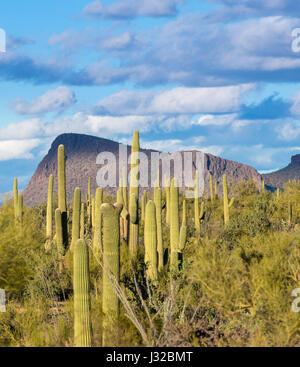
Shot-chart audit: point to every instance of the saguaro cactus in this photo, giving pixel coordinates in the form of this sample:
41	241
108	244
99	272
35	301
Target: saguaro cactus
143	206
196	203
216	190
211	188
59	233
49	208
97	240
76	217
81	285
158	207
174	224
16	198
150	240
93	212
225	201
183	229
62	198
89	202
167	194
263	186
134	189
111	270
82	221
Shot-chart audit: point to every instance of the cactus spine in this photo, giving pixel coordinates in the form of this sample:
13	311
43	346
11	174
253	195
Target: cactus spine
150	240
158	207
196	203
211	188
174	224
111	270
81	284
97	239
225	201
16	198
82	221
59	233
49	208
62	199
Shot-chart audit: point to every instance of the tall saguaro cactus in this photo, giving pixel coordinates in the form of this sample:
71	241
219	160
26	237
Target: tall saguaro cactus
49	219
76	217
183	229
89	202
225	200
134	226
143	206
174	224
81	285
59	233
158	209
97	240
196	203
167	194
62	197
82	221
150	240
16	198
111	270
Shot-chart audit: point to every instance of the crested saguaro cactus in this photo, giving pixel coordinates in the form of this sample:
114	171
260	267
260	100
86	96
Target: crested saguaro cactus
16	198
76	217
174	224
81	285
196	203
111	270
49	208
225	200
62	197
134	195
150	240
158	207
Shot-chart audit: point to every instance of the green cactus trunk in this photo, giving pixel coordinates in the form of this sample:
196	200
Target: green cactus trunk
211	187
111	272
16	198
93	213
225	201
150	241
196	203
167	194
124	214
20	209
89	203
62	197
183	229
174	224
97	239
124	186
81	285
82	221
134	189
59	233
263	186
49	219
76	217
143	206
160	245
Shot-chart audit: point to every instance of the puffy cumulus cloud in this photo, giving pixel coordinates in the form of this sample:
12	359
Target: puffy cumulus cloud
18	149
175	101
289	131
55	100
128	9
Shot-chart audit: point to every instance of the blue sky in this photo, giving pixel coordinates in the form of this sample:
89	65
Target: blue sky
216	75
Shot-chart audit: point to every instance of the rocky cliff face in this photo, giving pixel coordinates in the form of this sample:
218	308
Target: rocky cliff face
291	172
81	152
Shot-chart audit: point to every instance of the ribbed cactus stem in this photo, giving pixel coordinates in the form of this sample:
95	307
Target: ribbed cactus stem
263	186
196	203
59	233
150	241
81	285
211	187
174	224
121	201
134	227
183	228
143	206
82	221
111	271
278	193
16	198
49	208
76	217
62	198
225	201
93	212
160	245
167	194
89	202
97	239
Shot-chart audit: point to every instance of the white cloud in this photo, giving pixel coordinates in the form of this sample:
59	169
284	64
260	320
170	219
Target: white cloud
17	149
55	100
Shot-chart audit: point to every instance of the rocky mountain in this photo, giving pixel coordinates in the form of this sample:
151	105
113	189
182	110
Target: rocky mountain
82	150
291	172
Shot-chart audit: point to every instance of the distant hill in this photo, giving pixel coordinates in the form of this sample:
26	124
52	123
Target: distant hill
291	172
81	151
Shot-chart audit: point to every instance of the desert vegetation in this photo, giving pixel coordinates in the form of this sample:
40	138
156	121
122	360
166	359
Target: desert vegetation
144	269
